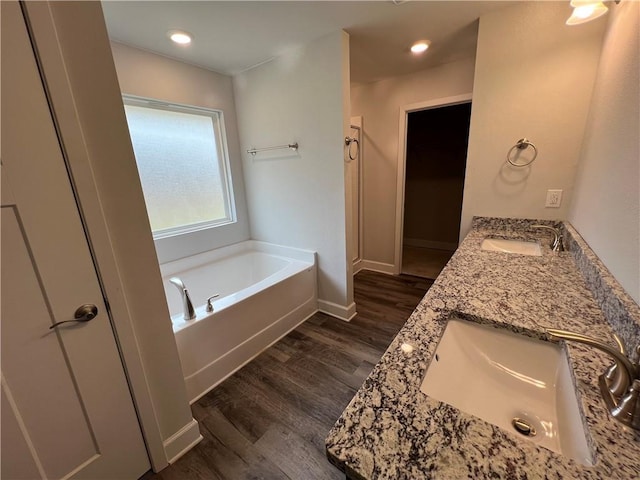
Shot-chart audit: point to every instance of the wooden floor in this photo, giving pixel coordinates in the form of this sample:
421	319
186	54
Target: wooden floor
424	262
269	420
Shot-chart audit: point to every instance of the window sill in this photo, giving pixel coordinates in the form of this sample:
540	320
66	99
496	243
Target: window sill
188	229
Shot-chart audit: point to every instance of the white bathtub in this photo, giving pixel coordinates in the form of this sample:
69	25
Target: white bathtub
265	292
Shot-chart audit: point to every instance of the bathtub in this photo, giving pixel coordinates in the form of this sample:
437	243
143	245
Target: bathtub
265	291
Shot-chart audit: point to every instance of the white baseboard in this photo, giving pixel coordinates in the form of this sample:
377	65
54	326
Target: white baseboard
338	311
418	242
182	441
357	266
380	267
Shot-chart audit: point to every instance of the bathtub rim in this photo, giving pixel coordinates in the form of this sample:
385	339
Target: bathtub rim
298	260
219	305
209	256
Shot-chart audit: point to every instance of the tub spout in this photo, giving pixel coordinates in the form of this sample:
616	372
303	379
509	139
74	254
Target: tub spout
189	312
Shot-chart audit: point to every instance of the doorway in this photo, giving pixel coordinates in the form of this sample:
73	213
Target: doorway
435	161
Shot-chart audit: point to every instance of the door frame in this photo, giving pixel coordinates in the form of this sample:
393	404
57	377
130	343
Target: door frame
357	125
405	110
157	417
69	129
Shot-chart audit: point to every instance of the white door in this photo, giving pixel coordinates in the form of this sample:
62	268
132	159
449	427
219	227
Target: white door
66	407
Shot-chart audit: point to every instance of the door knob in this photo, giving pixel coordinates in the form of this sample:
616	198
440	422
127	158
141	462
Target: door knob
84	313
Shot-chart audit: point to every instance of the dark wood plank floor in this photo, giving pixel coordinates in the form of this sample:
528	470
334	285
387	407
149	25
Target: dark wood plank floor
269	420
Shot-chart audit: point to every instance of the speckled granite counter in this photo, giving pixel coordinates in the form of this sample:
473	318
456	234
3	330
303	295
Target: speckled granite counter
391	430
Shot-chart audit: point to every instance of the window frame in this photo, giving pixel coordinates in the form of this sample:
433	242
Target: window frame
223	161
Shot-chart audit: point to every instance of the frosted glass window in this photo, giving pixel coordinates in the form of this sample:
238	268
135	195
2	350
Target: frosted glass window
182	162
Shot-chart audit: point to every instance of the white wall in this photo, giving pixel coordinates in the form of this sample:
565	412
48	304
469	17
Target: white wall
606	202
534	78
298	198
149	75
379	104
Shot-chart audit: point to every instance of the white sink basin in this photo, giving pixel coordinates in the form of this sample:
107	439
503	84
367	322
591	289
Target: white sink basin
500	376
511	246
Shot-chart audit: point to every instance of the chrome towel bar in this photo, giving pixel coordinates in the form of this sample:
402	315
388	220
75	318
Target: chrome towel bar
292	146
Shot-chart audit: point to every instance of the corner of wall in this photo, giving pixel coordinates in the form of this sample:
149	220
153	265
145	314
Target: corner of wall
380	103
297	199
545	99
346	129
91	119
182	441
606	204
187	84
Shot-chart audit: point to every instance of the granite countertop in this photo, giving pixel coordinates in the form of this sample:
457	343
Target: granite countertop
391	430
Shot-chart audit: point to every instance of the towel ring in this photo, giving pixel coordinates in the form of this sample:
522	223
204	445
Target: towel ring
522	144
348	141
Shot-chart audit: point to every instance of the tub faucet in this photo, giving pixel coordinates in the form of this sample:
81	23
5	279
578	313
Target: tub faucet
556	245
189	312
620	384
209	304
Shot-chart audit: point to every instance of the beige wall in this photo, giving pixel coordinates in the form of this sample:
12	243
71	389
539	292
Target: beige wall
149	75
606	202
534	78
379	104
298	198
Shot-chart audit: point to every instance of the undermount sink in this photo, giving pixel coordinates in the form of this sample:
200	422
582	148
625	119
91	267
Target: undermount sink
511	246
517	383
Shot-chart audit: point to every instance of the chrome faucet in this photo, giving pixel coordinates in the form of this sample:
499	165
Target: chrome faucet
209	304
620	384
189	312
556	245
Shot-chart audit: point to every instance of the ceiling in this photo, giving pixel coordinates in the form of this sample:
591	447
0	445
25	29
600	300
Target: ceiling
232	36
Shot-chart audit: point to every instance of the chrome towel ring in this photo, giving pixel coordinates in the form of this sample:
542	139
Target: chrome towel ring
348	141
520	145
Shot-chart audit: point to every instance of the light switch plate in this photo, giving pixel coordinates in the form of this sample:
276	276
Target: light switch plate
554	198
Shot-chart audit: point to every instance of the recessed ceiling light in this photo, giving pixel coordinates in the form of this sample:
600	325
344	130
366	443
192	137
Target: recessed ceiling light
585	11
180	37
420	46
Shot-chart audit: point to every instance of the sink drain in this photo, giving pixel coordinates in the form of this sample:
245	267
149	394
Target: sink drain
523	427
